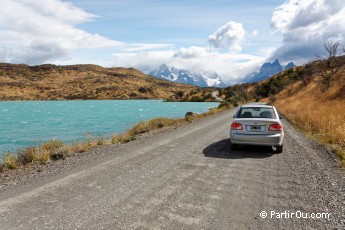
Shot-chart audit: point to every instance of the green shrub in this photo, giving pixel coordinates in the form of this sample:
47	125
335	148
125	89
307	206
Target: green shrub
80	147
179	94
123	138
139	128
52	145
272	99
225	104
290	71
189	118
160	122
10	161
59	153
27	155
44	158
101	140
196	98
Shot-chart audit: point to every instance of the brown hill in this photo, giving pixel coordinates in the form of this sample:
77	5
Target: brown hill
51	82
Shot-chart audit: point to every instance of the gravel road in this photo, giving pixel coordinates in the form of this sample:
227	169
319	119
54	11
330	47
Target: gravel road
186	178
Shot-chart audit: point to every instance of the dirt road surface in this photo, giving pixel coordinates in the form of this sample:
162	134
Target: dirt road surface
186	178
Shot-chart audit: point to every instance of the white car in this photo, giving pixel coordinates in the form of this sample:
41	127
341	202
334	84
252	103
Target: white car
257	124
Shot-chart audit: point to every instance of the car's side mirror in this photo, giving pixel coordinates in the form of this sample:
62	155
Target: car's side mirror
233	116
280	117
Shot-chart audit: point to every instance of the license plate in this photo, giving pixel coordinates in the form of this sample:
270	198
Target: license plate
256	128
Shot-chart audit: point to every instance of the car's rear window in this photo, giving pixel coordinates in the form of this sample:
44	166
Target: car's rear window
256	112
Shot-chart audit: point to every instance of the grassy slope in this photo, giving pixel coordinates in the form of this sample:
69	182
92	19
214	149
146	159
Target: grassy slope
302	95
317	110
50	82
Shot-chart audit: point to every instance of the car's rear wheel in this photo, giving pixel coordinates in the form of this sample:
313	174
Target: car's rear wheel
279	149
233	146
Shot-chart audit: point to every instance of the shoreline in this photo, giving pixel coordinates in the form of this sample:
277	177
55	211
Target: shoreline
37	159
32	123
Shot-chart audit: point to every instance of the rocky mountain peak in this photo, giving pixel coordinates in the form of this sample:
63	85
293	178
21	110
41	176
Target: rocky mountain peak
267	70
201	78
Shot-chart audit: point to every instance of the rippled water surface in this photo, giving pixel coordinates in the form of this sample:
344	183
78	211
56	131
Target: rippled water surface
33	122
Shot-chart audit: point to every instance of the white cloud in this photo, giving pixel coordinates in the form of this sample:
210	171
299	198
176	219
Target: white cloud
142	47
192	52
145	61
229	36
230	66
32	32
306	25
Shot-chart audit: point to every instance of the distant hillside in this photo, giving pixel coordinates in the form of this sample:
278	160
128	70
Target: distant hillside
201	79
51	82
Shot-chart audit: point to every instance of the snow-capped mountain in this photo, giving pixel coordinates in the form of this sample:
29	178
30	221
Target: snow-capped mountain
267	70
202	79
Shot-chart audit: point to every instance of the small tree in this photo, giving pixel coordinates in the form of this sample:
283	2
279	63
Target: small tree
179	94
329	66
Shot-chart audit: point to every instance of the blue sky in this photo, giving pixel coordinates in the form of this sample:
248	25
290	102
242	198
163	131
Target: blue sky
231	37
182	23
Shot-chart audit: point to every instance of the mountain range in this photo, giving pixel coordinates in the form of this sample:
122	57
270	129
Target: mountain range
201	79
212	79
267	70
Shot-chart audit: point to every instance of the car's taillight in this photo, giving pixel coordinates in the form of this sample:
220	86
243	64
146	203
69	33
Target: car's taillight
236	126
275	127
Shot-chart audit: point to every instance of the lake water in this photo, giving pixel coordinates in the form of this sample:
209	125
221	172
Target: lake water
28	123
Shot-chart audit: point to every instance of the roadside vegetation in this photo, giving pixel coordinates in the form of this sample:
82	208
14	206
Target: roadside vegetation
312	97
54	150
321	118
316	103
194	95
318	108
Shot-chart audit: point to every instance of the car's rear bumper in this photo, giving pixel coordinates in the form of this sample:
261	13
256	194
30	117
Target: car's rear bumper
250	139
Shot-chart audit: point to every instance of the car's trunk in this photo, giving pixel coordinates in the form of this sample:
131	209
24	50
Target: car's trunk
256	126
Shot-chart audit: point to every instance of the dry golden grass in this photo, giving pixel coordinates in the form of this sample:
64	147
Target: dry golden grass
319	112
27	155
44	158
10	161
143	127
325	120
52	145
50	82
80	147
122	138
162	122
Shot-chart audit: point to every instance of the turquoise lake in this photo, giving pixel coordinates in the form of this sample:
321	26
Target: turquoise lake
29	123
